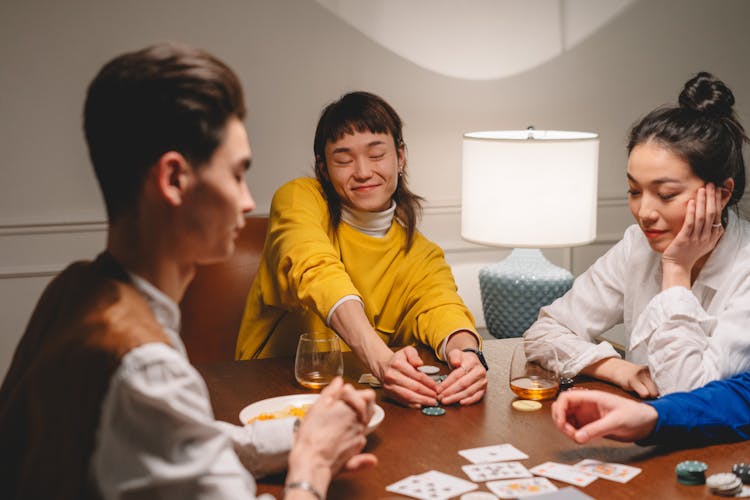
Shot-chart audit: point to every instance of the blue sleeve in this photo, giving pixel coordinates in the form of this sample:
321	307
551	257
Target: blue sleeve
716	413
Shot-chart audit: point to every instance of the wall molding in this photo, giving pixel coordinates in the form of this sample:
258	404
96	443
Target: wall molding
444	213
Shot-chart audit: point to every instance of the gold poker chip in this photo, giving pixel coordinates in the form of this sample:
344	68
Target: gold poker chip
526	405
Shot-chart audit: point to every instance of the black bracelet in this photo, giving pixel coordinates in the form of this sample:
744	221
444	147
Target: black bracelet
479	355
303	485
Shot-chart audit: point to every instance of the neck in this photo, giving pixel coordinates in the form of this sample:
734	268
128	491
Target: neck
372	223
151	254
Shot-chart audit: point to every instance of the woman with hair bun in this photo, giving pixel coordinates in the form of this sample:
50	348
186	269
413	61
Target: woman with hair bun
680	278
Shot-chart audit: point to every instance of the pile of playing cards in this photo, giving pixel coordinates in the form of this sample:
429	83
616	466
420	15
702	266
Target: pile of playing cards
498	467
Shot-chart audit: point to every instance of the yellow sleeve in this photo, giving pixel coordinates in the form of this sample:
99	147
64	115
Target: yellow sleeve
301	251
435	310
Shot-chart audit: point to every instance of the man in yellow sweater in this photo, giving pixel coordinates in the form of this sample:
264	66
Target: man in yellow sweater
343	253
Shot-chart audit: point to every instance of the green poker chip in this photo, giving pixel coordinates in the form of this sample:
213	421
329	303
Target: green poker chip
433	411
691	472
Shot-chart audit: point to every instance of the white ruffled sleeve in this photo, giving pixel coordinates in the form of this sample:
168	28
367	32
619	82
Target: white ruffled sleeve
573	323
687	347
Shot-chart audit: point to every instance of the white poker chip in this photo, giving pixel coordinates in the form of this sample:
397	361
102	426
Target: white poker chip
722	481
725	484
428	369
526	405
478	495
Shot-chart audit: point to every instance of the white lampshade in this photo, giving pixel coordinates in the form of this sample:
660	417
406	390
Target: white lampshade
529	188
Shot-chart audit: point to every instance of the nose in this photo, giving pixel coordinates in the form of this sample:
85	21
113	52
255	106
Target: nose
247	203
362	169
647	213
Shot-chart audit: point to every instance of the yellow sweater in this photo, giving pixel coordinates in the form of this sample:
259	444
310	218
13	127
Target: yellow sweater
306	268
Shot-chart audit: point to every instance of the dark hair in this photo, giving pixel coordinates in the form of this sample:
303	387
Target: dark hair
361	112
704	130
142	104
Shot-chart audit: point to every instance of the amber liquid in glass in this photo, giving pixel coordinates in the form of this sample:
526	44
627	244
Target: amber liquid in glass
314	380
535	388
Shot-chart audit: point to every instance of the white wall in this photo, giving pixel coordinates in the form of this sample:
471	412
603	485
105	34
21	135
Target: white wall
296	56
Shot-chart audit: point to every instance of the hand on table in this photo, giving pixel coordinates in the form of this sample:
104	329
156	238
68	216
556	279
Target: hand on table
629	376
636	378
585	415
404	383
698	236
332	432
467	381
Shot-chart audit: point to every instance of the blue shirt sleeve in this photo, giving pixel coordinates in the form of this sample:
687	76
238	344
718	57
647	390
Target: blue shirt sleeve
716	413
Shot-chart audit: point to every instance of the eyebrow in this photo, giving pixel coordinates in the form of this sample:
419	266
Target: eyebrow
659	181
369	145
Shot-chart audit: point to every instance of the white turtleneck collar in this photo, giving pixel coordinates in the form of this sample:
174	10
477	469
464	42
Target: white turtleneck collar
371	223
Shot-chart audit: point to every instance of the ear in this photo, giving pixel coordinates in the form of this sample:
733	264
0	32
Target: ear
401	152
726	192
172	172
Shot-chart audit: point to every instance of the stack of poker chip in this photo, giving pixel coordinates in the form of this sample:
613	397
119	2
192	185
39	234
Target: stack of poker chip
725	484
742	471
691	472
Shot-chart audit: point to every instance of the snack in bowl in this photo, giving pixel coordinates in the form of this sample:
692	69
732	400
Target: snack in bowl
293	406
289	411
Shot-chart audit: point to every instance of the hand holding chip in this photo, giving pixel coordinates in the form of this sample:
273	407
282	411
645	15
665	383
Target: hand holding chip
405	384
467	381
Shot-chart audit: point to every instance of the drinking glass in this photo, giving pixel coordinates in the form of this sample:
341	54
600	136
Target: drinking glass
534	371
318	360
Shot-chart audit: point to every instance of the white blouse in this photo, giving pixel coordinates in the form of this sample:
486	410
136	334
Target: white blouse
157	436
687	338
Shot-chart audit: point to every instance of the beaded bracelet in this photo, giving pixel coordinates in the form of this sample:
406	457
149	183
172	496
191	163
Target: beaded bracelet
303	485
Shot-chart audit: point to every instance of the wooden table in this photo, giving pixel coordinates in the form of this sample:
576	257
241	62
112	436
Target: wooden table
408	442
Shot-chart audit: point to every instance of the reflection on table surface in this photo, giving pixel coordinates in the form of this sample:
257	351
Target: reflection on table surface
408	442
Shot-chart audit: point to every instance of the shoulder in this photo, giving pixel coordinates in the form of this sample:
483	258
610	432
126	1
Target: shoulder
300	187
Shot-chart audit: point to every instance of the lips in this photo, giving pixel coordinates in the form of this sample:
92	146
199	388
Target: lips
652	233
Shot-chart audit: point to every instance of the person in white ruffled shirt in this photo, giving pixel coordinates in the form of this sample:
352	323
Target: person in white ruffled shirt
100	400
680	278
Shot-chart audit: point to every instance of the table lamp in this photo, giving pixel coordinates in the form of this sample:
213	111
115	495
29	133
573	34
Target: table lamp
527	189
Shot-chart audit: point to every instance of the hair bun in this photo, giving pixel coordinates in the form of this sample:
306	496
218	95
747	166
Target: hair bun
707	94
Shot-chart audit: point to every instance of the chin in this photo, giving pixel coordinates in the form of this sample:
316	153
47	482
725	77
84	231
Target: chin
218	255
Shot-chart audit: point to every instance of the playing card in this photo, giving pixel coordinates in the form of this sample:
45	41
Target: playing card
567	493
494	453
565	473
432	485
519	488
498	470
614	472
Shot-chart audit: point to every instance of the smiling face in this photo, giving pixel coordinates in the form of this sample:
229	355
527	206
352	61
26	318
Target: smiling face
219	197
363	168
660	185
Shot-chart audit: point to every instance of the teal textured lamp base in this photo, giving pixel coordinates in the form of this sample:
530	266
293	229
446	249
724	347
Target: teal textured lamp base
514	290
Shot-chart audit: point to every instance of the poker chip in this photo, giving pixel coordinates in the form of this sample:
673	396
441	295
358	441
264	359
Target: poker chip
438	378
724	484
428	369
742	471
526	405
691	472
433	411
478	495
